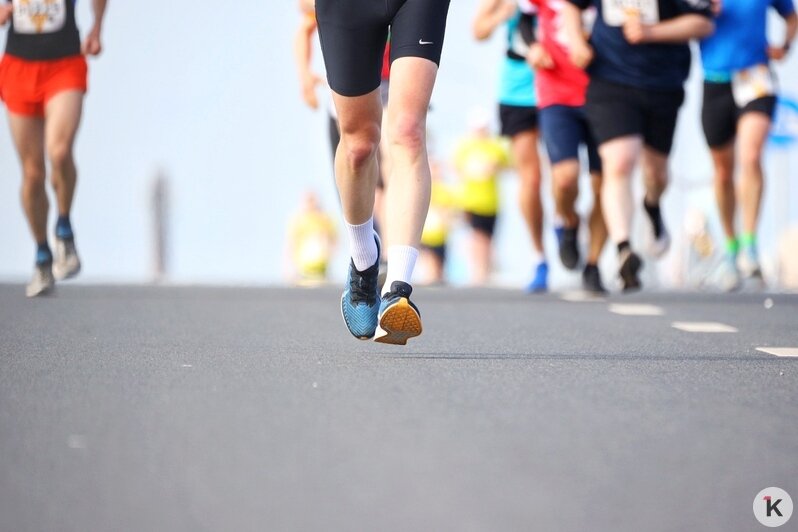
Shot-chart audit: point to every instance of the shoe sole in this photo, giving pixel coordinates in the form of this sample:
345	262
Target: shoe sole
629	270
398	323
594	290
47	290
60	276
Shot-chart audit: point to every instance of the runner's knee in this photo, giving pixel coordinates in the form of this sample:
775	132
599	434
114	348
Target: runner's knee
408	132
750	157
361	147
60	154
33	173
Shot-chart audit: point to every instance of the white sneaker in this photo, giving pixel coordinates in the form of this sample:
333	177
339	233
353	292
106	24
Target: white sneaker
42	282
657	247
66	263
748	263
727	276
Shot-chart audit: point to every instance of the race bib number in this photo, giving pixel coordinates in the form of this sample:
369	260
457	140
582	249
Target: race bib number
617	12
751	84
39	16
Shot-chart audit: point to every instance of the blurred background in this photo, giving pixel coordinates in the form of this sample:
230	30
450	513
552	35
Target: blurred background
202	101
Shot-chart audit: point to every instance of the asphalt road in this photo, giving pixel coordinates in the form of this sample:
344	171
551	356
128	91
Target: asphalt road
237	409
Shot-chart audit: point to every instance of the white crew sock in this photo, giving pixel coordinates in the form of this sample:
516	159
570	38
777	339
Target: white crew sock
401	261
362	245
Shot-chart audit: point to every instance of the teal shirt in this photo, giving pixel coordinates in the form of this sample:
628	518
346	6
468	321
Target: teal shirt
517	81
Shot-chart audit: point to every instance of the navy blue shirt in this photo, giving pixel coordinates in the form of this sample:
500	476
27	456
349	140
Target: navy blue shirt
646	66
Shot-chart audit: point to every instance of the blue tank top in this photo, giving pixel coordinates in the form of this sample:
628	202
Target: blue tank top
517	81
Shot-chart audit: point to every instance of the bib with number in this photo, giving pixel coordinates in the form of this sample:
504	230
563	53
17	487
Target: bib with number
751	84
617	12
39	16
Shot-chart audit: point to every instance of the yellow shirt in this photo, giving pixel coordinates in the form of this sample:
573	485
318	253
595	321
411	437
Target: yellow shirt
479	162
436	227
312	235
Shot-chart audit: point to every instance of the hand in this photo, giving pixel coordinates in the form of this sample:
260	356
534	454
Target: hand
581	54
309	83
507	10
92	45
777	53
6	10
538	57
635	31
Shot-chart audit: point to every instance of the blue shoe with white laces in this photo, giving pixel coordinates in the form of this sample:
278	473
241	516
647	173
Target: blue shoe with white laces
360	301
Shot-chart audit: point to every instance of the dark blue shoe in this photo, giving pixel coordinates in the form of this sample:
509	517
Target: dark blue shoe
540	283
399	318
569	247
360	302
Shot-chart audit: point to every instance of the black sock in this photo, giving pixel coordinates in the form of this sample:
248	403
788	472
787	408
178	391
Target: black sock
623	245
43	253
63	227
656	217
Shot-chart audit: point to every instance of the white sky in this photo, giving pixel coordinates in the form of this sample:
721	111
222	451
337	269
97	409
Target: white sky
208	92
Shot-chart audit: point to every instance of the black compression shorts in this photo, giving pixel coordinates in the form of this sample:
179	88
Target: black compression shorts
719	112
353	34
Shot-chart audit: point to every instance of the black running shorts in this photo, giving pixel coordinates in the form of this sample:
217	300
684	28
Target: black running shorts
353	34
517	119
615	111
719	112
483	224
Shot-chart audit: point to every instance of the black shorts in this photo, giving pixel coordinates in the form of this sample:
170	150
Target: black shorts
615	111
438	251
353	34
719	112
481	223
516	119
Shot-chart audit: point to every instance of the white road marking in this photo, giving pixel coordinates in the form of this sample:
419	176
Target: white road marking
187	366
625	309
703	327
580	296
780	351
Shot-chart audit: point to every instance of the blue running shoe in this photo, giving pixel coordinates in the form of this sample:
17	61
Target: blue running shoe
399	318
540	283
360	300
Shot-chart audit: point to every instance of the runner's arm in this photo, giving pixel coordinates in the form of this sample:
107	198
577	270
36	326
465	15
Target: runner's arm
676	30
792	29
6	9
579	50
93	43
303	54
490	15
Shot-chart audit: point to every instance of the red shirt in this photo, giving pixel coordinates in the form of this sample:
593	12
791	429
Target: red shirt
565	83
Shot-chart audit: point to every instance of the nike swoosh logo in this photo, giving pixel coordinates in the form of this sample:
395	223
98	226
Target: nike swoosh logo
423	42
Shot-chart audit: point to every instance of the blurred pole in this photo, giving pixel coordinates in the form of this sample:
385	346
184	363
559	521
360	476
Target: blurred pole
159	211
